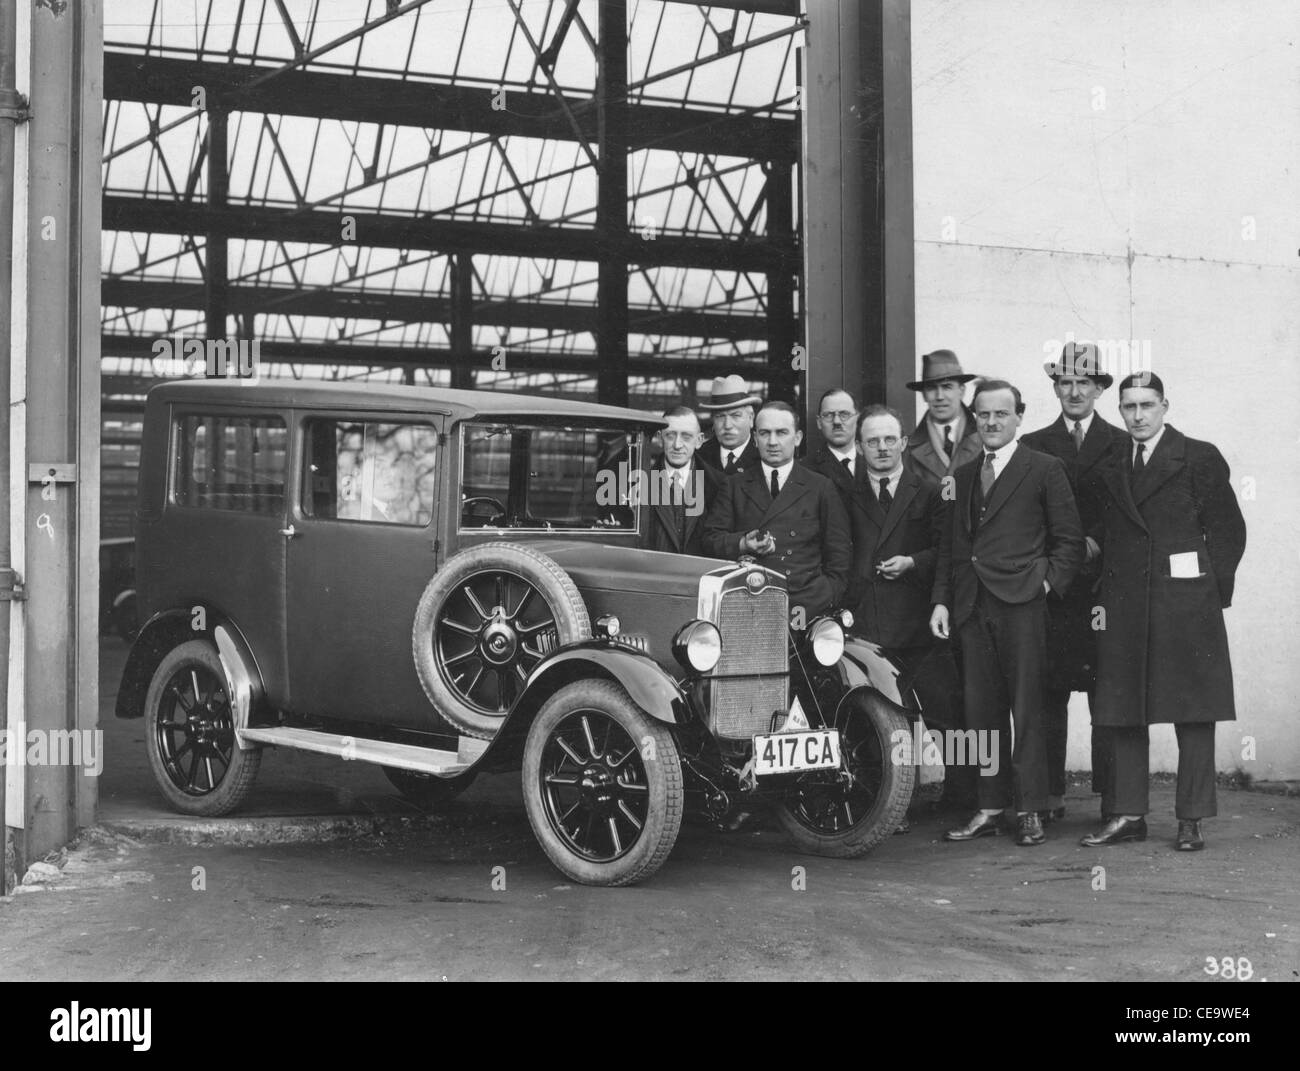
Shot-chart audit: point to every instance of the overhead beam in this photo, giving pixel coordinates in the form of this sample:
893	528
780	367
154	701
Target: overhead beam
372	99
758	7
156	216
361	356
347	303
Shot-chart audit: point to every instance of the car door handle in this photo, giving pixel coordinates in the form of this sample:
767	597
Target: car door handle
289	532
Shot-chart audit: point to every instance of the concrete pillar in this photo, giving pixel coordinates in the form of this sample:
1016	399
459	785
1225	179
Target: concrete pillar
857	195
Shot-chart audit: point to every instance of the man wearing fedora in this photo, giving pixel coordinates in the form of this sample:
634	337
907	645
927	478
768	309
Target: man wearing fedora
1082	440
732	448
946	437
1171	535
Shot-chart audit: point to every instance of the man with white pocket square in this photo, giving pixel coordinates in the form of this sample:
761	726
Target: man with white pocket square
1171	536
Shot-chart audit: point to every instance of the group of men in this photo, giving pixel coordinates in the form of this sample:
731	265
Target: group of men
1002	572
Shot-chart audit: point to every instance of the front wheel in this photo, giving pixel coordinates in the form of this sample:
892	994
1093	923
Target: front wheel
190	734
847	813
602	785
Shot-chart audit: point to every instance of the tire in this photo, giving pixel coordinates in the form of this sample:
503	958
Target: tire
187	713
484	621
639	796
877	798
427	791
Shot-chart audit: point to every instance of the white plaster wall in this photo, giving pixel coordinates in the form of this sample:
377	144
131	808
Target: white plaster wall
1130	169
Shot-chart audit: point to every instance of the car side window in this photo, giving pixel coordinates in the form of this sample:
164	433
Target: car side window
548	478
230	462
381	473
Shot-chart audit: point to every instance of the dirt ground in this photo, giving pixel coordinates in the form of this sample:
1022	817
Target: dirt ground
467	894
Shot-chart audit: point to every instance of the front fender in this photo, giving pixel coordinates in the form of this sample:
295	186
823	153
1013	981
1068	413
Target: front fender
867	665
644	680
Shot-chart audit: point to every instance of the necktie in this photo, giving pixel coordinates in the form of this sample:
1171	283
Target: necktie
986	476
776	484
947	440
885	497
848	465
1139	462
1077	436
731	463
676	490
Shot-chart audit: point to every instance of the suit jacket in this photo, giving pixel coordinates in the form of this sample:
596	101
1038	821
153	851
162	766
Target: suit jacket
930	464
711	455
1071	637
807	521
823	462
659	528
896	613
1163	655
1029	533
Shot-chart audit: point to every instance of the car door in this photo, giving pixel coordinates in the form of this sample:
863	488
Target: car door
362	545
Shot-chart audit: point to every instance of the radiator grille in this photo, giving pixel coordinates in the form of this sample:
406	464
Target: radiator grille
751	677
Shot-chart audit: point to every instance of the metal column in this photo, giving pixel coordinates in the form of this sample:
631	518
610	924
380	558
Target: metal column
61	527
858	201
462	321
217	280
611	204
782	330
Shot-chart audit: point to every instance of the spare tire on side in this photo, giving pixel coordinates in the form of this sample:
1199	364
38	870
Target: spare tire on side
485	620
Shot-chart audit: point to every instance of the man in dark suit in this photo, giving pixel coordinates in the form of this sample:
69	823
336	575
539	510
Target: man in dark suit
1171	535
732	448
1081	439
790	519
680	490
946	438
1013	538
838	458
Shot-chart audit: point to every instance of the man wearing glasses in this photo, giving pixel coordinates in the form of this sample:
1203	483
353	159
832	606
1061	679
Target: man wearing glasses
837	458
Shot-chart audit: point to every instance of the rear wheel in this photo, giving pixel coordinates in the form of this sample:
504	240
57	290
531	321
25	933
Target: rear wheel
190	734
426	790
602	785
847	813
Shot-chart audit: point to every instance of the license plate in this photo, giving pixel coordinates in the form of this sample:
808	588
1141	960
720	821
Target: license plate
779	753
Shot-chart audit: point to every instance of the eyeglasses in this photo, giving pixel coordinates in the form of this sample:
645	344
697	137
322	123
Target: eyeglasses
843	416
888	442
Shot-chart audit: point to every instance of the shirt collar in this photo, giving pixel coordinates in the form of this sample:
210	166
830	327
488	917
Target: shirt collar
892	477
1003	453
850	454
784	470
1086	423
734	450
1150	444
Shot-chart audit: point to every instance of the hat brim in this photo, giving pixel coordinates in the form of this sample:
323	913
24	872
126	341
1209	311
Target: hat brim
922	383
1053	369
730	401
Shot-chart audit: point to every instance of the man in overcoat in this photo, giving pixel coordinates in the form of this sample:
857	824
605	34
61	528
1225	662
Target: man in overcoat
1082	440
790	518
838	458
681	489
946	437
1171	535
731	406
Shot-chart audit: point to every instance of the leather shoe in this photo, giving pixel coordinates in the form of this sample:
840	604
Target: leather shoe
1054	815
1029	830
1189	836
1116	830
982	825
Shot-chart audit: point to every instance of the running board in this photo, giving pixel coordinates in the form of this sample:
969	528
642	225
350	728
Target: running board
383	752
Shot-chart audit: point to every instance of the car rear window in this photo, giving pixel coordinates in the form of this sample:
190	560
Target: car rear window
548	478
383	473
230	462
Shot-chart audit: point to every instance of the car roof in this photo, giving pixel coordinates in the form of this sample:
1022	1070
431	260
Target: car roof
460	404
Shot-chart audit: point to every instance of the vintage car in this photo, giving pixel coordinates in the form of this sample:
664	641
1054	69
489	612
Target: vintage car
445	582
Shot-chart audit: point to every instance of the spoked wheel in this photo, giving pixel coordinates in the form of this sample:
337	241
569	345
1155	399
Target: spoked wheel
190	734
489	616
602	785
846	813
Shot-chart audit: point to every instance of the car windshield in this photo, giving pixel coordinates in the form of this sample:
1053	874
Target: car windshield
546	477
